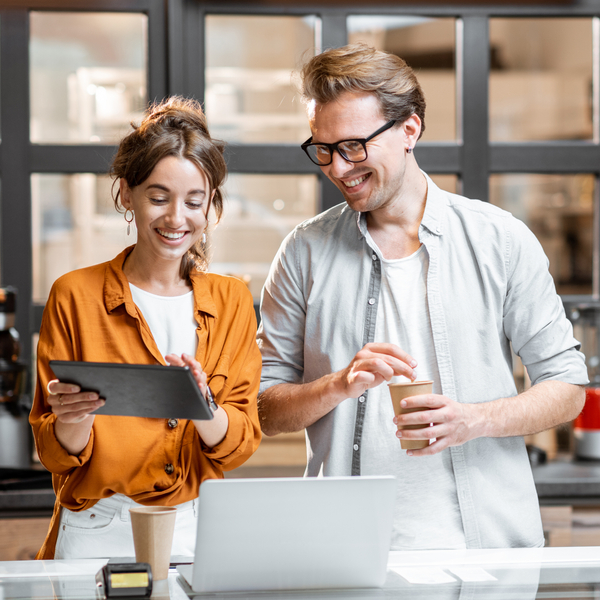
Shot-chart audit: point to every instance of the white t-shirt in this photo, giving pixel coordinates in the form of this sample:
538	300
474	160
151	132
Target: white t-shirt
171	320
427	514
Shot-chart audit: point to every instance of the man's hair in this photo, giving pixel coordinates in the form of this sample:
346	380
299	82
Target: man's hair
361	68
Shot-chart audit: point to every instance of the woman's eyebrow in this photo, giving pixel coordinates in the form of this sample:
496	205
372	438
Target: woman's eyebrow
158	186
164	188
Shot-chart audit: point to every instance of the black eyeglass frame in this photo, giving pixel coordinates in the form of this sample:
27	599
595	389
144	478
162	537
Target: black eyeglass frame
333	147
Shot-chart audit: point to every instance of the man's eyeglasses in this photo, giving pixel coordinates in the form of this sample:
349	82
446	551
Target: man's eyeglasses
351	150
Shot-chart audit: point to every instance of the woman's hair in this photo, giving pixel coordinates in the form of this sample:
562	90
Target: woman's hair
361	68
174	127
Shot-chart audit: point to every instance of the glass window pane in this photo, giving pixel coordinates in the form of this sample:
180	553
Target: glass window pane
540	79
428	46
250	96
74	225
449	183
559	210
88	75
259	211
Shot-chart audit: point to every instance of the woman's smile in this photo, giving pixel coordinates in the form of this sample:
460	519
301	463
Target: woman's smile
171	235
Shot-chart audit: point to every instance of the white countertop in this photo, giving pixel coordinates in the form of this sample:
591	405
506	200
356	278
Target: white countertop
523	573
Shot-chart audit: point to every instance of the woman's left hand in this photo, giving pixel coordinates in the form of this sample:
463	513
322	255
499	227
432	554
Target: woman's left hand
211	431
185	360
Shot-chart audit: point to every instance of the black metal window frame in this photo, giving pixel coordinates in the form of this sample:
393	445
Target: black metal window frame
176	65
19	158
473	157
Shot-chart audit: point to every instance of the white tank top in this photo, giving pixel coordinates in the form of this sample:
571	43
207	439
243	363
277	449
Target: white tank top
427	514
171	320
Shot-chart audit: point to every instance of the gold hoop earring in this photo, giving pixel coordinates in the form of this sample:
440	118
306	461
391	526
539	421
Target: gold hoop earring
128	220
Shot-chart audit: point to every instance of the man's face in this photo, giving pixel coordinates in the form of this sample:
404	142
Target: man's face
376	182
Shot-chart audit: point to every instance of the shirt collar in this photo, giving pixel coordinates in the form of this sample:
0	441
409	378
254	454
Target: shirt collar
434	208
117	291
432	217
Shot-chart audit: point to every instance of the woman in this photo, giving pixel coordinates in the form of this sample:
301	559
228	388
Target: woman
154	303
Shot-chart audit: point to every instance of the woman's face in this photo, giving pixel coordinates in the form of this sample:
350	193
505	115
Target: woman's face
170	208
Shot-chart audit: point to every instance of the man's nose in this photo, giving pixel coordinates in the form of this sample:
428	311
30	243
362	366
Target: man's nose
339	165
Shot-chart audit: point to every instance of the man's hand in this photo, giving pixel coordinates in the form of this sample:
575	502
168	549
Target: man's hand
288	407
453	423
374	364
544	405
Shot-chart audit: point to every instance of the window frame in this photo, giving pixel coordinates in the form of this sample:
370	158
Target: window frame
176	58
473	157
19	158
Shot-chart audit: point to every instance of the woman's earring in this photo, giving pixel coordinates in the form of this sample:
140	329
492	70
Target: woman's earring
409	150
128	220
204	238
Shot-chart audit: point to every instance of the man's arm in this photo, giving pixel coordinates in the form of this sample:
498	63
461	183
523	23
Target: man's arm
544	405
288	407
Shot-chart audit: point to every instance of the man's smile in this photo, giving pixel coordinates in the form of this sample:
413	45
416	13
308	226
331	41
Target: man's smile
354	182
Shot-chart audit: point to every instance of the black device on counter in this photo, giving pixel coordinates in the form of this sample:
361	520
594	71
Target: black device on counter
125	580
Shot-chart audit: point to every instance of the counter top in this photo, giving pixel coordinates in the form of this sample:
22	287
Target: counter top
557	482
26	503
519	574
568	482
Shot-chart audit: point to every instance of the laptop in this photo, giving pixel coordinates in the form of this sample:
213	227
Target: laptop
292	533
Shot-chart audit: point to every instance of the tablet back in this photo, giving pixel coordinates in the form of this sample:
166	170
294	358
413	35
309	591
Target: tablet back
131	390
292	533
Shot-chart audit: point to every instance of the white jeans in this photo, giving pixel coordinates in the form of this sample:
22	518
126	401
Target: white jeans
104	531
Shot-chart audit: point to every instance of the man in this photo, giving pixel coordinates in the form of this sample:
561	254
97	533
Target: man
406	280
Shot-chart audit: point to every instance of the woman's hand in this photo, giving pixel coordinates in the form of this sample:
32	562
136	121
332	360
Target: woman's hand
212	432
73	409
69	403
185	360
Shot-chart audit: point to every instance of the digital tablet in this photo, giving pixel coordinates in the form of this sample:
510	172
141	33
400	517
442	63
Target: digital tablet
155	391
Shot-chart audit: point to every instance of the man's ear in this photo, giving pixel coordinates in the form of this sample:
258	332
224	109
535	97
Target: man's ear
412	130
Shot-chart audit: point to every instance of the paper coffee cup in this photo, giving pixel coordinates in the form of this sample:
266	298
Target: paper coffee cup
153	528
399	391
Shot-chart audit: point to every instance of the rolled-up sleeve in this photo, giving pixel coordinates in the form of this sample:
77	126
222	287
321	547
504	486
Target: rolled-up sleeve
235	384
534	316
55	342
283	316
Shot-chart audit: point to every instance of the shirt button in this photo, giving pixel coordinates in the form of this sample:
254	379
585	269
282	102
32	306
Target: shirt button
371	301
361	399
169	468
172	423
355	446
374	256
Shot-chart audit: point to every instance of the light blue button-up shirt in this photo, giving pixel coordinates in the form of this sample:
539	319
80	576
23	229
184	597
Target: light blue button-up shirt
488	286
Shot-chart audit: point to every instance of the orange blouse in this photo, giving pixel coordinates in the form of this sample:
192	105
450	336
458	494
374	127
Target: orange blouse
90	316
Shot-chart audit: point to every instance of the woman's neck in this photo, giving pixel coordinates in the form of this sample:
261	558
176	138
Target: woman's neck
162	279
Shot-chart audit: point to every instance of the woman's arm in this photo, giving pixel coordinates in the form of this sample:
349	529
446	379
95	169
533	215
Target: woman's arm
61	431
72	408
231	359
212	432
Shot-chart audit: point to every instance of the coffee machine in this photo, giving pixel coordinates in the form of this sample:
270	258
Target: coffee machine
585	317
15	432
